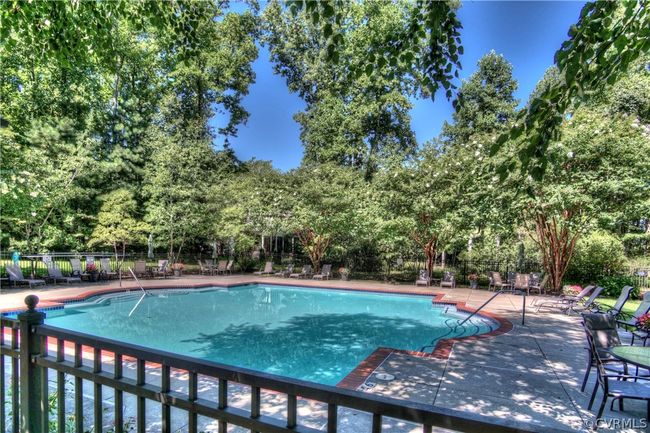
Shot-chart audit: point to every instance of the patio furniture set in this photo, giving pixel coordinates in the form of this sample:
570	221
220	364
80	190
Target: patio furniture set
516	282
622	370
222	267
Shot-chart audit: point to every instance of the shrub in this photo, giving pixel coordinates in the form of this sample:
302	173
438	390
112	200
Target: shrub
597	255
613	284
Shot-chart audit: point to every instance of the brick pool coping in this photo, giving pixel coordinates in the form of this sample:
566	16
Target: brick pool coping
356	377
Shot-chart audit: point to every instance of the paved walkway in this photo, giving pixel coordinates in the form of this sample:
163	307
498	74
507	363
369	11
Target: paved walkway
532	373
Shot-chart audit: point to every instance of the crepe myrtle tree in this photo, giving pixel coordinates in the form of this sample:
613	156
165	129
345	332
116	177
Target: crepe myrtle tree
597	176
421	202
328	208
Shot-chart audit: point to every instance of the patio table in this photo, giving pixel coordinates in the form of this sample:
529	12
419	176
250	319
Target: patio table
636	355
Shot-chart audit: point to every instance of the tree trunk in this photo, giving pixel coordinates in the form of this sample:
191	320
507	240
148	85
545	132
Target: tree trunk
316	245
430	247
557	244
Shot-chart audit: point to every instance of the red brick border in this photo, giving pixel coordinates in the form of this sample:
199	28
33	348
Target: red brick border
360	374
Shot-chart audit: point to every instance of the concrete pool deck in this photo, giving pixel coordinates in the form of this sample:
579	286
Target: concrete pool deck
531	373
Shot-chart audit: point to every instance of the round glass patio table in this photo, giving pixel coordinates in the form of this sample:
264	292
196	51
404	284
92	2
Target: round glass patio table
637	355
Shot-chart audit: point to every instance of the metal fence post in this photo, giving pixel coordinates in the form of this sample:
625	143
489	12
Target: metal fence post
31	398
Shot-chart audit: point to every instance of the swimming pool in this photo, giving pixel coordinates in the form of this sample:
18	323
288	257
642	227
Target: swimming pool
312	334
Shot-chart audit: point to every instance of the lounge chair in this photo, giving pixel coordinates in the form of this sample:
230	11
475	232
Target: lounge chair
284	273
162	269
496	282
423	278
630	322
617	308
448	280
55	274
140	268
268	269
76	269
304	273
522	283
106	268
565	302
16	276
325	273
589	305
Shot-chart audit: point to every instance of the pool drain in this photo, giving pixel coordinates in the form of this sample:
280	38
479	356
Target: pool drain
384	376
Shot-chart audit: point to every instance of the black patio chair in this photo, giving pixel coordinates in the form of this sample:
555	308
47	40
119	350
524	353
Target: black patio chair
616	386
603	328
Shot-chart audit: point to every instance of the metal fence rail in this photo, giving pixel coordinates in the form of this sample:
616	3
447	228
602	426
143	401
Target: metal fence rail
36	358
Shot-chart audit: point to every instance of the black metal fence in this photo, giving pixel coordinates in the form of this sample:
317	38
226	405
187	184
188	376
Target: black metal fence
36	350
370	267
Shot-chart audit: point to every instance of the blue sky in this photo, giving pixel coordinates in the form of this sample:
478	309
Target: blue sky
527	33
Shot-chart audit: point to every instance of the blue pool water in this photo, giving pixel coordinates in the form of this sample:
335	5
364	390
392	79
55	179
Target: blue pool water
318	335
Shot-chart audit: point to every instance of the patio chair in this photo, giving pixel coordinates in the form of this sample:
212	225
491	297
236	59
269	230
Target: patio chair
511	276
284	273
423	278
304	273
162	269
565	302
616	386
325	273
204	269
448	280
229	266
140	268
221	267
589	305
106	268
630	322
268	269
605	336
76	269
55	274
616	310
16	276
496	282
535	285
522	283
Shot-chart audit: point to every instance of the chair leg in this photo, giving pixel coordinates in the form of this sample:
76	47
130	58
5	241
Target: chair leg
593	396
584	381
602	406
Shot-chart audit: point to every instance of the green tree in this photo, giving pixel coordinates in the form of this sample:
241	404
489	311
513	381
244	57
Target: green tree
118	224
328	209
359	122
597	177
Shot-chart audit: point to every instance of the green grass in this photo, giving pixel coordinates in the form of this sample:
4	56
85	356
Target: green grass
629	307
